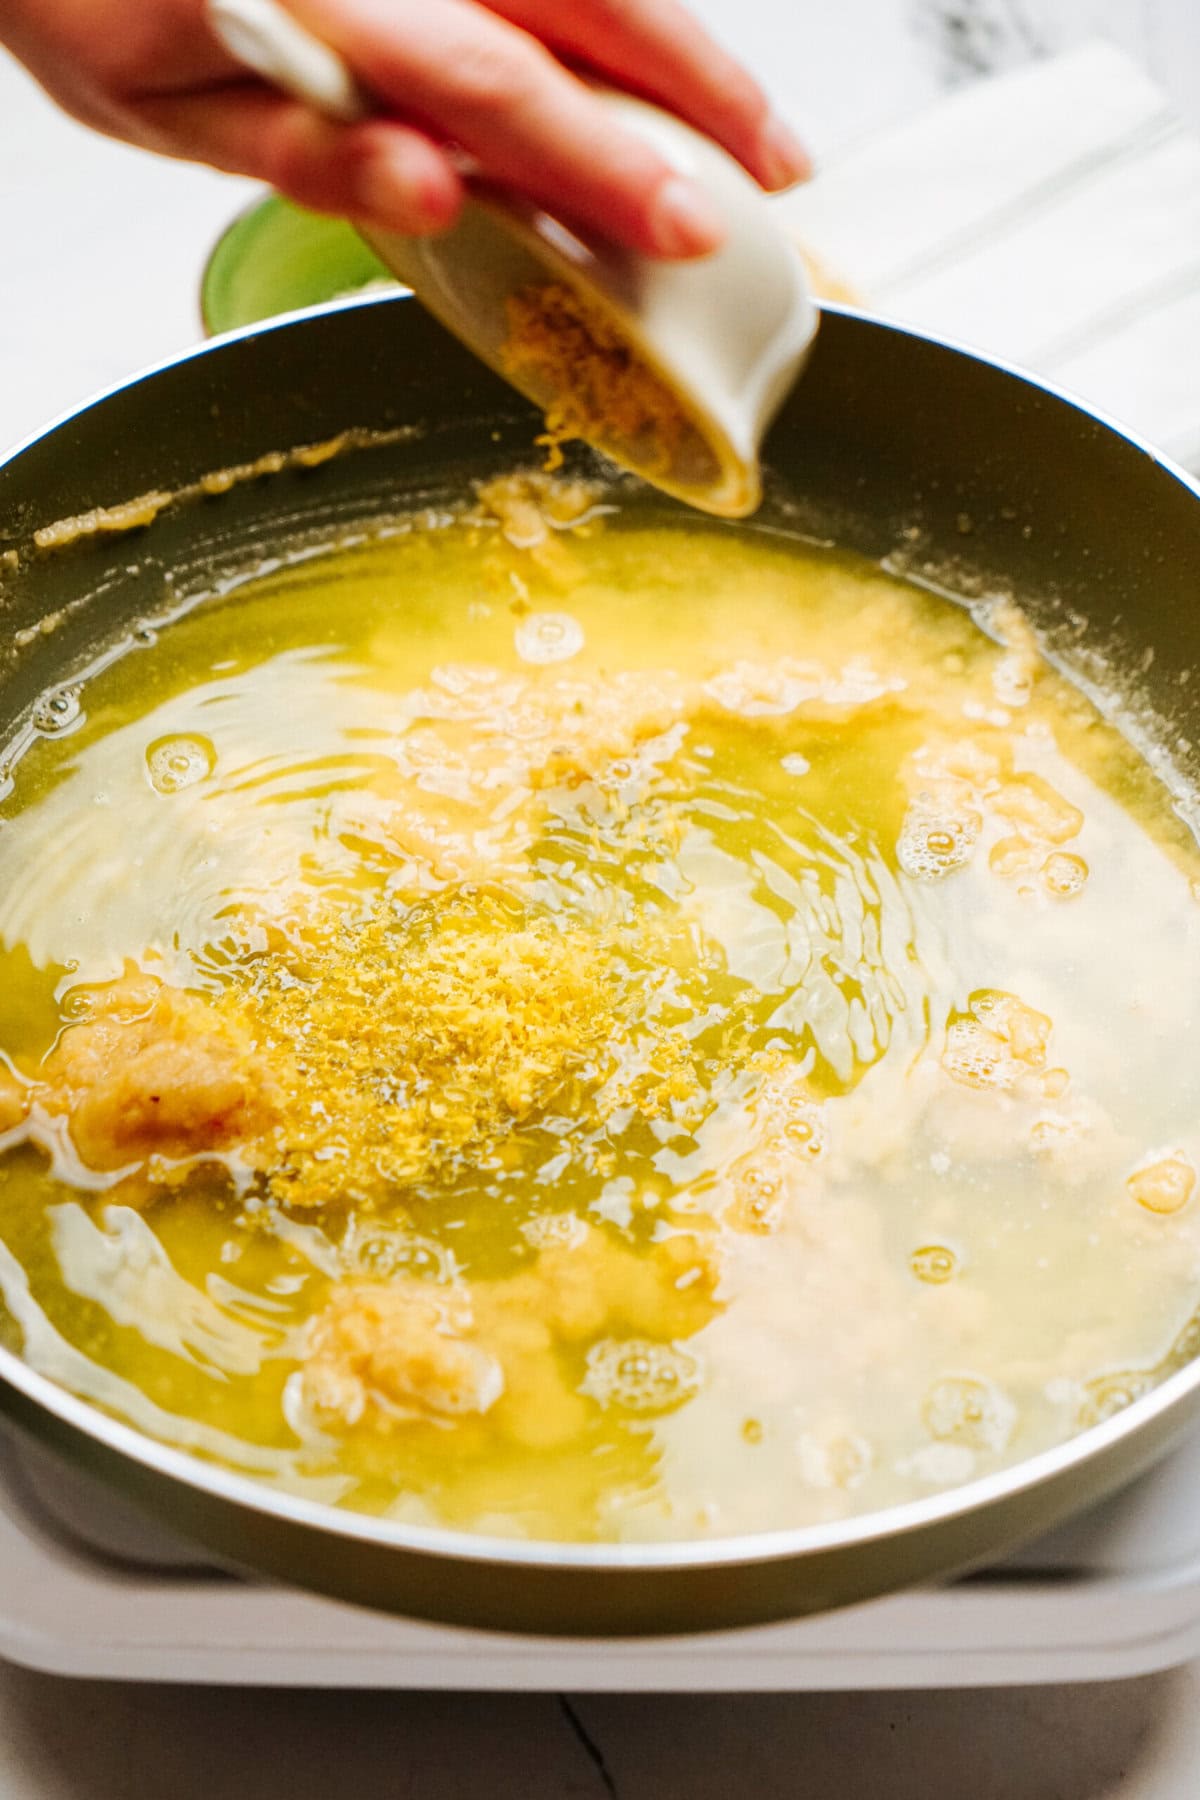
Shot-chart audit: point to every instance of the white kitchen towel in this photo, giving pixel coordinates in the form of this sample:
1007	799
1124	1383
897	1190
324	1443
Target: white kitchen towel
1051	217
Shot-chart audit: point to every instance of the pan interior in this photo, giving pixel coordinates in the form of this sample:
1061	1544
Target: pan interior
821	836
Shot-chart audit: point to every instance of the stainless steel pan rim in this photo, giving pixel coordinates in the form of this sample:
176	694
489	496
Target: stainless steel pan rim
1118	1447
464	1546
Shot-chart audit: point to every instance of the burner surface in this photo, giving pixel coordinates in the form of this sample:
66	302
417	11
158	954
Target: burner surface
91	1588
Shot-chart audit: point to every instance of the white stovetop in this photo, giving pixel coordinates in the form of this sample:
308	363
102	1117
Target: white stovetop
102	253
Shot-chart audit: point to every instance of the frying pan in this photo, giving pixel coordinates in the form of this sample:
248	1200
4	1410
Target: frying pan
894	445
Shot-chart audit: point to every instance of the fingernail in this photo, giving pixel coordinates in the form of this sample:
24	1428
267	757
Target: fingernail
685	221
785	160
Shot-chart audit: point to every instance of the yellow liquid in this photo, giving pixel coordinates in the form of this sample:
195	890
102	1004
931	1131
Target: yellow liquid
852	953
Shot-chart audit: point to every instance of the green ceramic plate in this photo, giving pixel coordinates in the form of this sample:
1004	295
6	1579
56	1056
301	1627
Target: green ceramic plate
276	257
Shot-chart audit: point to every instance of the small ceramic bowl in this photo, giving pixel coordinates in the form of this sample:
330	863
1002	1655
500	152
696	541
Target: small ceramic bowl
726	335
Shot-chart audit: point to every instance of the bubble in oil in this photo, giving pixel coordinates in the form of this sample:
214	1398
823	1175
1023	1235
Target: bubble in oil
1064	875
790	1120
934	841
1185	1349
1109	1394
804	1135
841	1461
548	637
934	1263
1000	1044
975	1414
975	1057
177	762
1164	1186
759	1199
637	1375
554	1230
57	711
392	1253
850	1459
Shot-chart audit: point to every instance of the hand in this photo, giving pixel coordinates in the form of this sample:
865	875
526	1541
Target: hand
496	80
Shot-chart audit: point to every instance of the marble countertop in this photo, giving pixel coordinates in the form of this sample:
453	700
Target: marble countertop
103	250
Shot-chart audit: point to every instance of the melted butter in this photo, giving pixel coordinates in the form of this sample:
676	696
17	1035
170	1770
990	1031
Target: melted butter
135	514
851	1169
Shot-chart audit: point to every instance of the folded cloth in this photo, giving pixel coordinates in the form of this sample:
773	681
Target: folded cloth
1050	217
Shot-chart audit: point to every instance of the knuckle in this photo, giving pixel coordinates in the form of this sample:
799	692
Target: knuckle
306	159
499	78
354	159
289	164
395	180
619	15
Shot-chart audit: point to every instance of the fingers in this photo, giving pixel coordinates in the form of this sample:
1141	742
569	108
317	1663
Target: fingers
489	77
465	75
657	48
378	172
